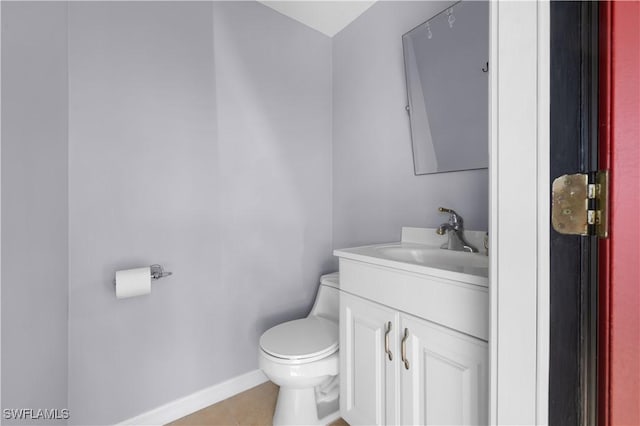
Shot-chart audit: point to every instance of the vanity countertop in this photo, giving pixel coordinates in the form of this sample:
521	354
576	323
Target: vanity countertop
419	252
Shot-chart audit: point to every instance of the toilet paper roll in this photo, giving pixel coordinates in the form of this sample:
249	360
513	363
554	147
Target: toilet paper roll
133	282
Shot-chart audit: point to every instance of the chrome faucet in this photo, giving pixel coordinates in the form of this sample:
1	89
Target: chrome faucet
455	233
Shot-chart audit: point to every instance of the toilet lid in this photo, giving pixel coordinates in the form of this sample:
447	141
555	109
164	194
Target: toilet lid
303	338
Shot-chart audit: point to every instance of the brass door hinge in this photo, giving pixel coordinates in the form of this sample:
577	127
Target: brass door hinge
580	206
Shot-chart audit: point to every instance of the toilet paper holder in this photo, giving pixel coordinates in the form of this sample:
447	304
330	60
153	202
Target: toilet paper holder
157	272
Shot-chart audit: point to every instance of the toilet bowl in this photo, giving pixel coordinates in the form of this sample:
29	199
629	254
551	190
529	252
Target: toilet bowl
301	357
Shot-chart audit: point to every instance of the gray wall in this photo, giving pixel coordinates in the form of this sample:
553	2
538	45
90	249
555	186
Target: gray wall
273	80
34	205
374	190
199	139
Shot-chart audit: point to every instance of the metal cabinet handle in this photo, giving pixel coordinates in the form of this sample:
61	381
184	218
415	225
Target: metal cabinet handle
404	348
386	341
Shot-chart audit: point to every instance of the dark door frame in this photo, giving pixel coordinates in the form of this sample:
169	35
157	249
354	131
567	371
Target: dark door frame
573	262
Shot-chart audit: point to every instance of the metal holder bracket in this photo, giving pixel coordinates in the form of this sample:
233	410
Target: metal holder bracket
158	272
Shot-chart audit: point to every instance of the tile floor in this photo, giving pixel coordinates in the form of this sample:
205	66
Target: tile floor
253	407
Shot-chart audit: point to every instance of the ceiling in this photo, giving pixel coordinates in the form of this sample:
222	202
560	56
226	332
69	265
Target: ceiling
328	17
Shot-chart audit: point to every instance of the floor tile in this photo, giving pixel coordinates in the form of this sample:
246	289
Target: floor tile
339	422
214	415
255	406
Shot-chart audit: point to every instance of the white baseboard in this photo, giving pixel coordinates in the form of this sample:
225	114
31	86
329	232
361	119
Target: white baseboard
196	401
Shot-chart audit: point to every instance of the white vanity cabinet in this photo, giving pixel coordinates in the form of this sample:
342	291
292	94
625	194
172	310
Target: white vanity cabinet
414	326
442	382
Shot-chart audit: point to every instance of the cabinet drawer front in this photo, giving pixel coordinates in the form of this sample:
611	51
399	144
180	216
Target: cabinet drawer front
461	306
445	383
365	370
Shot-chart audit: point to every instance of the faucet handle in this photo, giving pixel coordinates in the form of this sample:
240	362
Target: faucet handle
454	218
446	210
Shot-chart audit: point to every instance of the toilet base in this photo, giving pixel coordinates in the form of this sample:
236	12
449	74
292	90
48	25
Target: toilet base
298	407
308	388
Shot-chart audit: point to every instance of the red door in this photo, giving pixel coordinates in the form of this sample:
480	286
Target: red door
619	333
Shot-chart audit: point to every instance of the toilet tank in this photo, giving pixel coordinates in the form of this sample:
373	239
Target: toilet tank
327	304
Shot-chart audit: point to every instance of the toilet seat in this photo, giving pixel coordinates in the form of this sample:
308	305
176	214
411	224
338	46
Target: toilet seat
302	340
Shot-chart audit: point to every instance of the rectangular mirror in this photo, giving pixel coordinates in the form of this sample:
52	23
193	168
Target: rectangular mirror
447	70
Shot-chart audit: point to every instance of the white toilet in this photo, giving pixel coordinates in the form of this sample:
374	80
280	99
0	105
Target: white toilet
301	357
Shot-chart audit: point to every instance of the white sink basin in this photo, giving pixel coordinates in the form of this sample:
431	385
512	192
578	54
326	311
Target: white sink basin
432	256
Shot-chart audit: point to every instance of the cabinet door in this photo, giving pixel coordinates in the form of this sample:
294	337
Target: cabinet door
446	379
368	388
